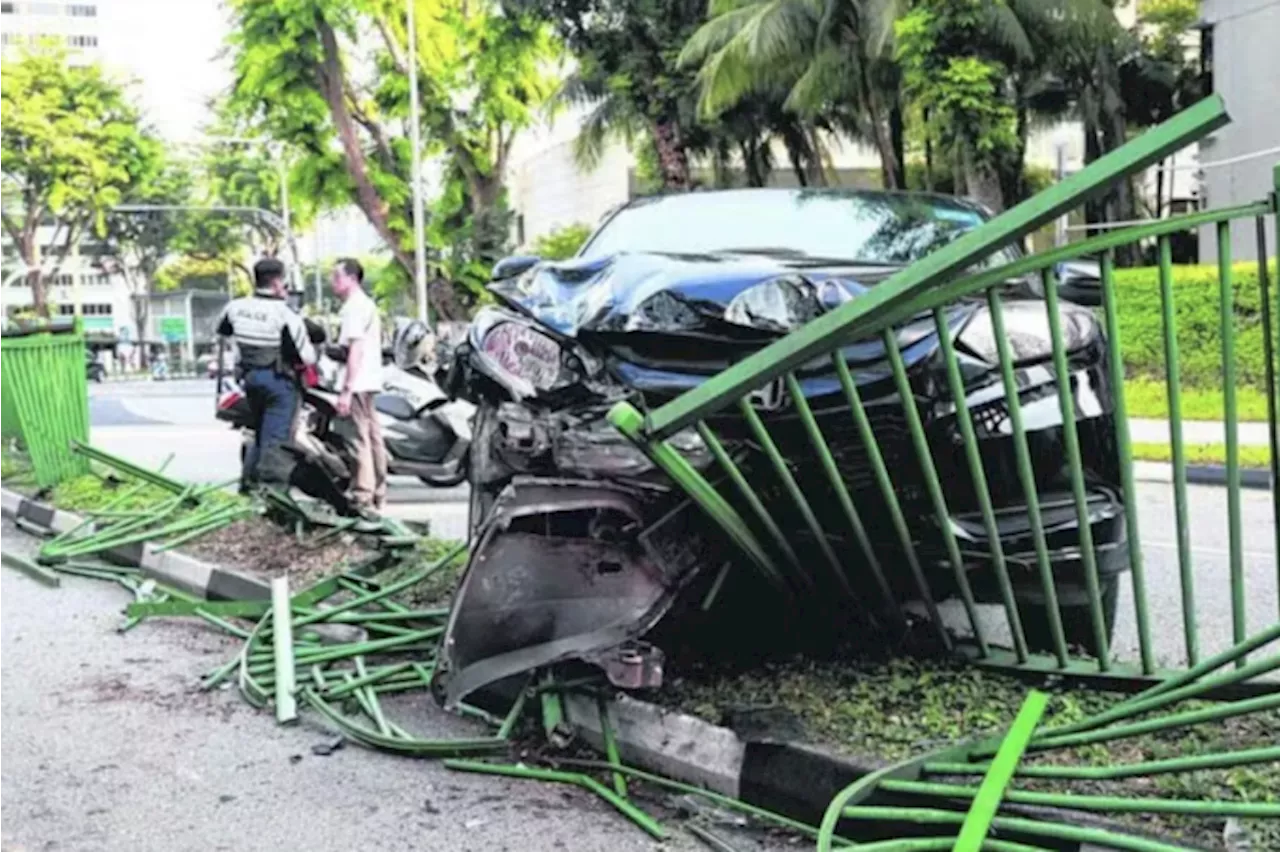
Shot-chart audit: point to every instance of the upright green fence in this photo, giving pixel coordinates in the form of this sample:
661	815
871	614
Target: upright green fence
857	501
46	400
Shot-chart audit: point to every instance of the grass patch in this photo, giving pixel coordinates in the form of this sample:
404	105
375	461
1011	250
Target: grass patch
886	711
437	589
1252	457
1148	398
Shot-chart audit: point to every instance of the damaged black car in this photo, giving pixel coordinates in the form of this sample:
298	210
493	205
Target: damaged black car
582	548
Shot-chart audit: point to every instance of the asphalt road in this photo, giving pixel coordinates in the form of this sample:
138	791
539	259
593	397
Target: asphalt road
145	421
109	745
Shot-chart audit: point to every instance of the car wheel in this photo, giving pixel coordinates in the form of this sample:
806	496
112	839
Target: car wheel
1077	624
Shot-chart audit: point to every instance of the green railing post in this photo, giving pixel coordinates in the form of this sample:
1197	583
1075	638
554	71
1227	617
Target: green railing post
1125	449
1173	382
1230	417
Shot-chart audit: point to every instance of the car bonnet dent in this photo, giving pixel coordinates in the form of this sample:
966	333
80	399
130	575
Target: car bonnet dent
563	569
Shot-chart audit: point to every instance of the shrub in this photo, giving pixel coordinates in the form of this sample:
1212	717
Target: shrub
561	243
1196	299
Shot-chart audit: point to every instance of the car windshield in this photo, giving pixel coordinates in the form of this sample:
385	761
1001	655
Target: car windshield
870	228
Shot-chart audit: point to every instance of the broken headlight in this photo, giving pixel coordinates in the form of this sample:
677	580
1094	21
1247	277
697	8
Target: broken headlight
1026	325
515	353
785	303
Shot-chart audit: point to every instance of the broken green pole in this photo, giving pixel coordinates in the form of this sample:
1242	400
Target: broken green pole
31	569
987	800
578	779
282	642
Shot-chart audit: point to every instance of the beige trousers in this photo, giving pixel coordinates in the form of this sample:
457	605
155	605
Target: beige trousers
369	487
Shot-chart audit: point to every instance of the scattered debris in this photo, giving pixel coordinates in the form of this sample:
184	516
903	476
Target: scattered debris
328	747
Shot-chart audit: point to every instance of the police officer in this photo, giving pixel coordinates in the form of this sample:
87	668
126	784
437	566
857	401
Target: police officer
273	346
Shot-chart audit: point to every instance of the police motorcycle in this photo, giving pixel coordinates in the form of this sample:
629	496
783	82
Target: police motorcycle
426	434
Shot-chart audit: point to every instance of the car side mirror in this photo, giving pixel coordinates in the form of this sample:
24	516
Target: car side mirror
510	267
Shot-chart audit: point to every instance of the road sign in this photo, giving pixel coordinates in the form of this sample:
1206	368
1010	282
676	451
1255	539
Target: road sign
173	329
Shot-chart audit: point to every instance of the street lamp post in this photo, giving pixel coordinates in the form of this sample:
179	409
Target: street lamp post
415	139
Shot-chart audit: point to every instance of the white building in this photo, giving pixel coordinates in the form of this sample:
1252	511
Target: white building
75	26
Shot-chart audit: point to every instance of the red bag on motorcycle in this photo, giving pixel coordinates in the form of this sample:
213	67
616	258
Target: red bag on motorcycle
310	376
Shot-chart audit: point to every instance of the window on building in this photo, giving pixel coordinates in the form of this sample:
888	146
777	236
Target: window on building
8	8
12	38
82	10
91	309
82	40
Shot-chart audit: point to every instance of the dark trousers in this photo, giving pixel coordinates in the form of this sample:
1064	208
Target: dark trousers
274	400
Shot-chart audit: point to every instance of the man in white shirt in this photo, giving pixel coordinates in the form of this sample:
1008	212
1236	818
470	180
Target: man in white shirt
361	333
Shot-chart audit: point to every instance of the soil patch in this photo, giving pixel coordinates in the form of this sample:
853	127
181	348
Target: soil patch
260	546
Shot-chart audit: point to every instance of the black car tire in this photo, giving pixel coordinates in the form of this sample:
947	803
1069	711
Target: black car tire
1077	625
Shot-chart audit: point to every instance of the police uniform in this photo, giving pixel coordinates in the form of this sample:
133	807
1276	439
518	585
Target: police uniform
273	345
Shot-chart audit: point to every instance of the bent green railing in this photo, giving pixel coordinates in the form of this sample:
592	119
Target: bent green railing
46	397
1032	785
795	537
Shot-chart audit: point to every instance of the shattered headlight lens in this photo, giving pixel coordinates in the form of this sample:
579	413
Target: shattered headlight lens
1026	325
784	304
524	358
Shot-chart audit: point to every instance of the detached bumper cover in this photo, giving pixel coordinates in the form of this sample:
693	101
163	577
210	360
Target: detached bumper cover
564	569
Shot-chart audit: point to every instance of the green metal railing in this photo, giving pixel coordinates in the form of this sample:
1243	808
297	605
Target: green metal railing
1046	767
763	497
46	398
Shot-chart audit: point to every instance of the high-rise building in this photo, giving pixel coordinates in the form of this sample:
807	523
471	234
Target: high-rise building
74	26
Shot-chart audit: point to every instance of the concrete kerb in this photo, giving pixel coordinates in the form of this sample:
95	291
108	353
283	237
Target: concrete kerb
171	567
1206	474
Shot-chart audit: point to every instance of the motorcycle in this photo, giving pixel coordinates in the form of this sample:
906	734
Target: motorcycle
426	435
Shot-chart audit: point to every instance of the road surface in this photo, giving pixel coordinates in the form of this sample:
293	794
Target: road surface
108	745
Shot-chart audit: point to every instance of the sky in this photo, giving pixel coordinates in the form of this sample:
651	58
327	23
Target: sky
170	47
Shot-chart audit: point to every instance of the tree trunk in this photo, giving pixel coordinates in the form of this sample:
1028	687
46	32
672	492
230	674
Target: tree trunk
1094	208
330	78
898	139
928	153
982	182
673	157
29	249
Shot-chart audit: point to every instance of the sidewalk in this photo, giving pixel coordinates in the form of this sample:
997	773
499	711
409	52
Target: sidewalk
1252	434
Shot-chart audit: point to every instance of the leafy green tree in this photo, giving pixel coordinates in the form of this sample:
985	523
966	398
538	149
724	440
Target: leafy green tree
72	147
628	76
828	61
330	78
136	244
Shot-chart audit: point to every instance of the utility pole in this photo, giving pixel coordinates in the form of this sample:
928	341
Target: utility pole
315	245
415	138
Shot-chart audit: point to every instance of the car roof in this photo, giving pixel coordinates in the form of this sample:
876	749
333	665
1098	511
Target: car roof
746	194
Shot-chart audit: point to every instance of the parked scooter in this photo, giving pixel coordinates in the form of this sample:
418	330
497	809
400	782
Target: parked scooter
426	435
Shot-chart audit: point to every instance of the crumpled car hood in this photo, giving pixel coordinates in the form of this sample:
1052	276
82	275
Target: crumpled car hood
656	292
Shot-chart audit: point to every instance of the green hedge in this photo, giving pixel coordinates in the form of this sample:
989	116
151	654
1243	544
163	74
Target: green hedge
1196	300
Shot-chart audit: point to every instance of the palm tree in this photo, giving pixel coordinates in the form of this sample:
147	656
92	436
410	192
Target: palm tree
838	59
832	58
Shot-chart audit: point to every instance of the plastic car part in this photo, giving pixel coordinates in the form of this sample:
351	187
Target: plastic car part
563	569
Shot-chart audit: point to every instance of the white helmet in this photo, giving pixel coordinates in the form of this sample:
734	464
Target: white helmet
412	345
